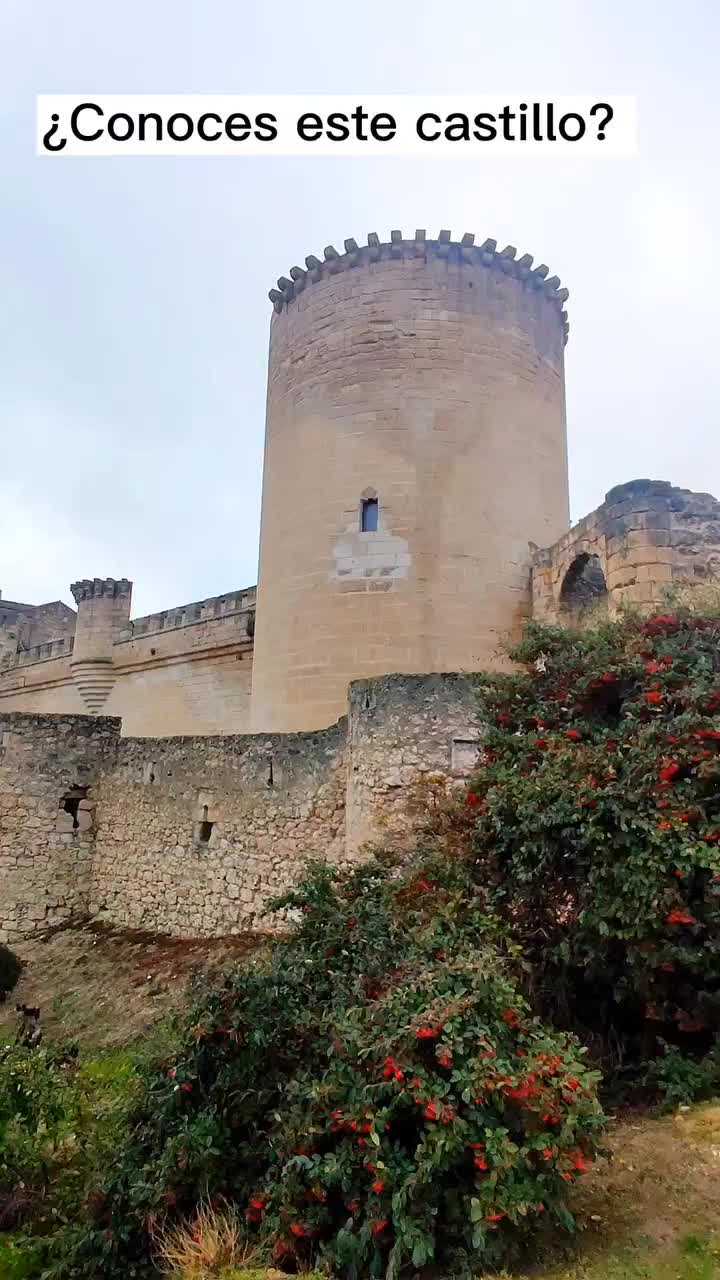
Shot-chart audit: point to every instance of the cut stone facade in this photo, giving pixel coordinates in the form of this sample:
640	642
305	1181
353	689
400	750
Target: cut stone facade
183	671
648	537
430	375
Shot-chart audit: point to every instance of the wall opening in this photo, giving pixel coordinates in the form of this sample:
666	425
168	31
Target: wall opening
203	829
369	515
584	584
70	803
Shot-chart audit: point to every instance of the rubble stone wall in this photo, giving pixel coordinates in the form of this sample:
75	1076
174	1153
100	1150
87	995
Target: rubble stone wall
46	853
191	836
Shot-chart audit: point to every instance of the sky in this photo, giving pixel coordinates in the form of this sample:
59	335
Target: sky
134	316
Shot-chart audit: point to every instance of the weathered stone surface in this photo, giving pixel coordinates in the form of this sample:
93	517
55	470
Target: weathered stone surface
192	836
645	538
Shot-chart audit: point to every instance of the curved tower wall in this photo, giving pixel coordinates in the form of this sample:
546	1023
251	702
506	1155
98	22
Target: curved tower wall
427	375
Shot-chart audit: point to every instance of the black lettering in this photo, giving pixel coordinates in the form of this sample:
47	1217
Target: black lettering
75	117
172	127
202	130
420	126
143	119
522	109
114	121
485	129
237	127
309	121
383	120
337	127
550	113
507	116
48	144
358	115
457	127
265	130
568	135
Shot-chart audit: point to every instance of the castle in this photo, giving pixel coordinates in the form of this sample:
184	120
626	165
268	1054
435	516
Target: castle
168	771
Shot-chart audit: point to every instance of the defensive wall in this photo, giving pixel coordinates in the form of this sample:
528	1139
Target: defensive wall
185	670
646	538
191	835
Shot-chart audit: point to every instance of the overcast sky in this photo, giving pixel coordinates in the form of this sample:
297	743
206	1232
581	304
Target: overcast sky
133	292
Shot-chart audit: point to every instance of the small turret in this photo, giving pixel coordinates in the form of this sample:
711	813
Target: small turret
103	611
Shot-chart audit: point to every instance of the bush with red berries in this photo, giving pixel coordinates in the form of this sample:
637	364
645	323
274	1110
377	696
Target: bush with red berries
372	1094
597	827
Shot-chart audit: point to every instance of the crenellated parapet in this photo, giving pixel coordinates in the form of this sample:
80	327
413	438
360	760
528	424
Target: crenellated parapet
101	588
239	605
460	252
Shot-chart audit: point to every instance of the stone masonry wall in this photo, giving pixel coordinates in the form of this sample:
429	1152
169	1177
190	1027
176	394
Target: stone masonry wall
646	537
191	836
46	853
405	729
194	834
426	375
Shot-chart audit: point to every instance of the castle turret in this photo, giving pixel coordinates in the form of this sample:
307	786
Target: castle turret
103	610
415	444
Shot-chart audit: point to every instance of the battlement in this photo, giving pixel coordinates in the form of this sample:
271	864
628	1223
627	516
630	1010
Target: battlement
42	652
464	251
92	588
234	603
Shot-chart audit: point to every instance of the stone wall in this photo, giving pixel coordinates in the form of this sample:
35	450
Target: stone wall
646	537
46	853
403	730
182	671
194	834
191	835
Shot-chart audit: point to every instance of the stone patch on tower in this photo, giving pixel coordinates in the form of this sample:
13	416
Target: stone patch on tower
370	561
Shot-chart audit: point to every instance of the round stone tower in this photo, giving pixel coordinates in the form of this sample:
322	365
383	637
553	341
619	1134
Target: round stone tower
415	446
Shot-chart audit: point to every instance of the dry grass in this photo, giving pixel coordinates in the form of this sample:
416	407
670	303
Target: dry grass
206	1246
652	1210
106	988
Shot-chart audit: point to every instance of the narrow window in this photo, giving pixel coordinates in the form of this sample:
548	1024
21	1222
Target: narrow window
205	827
369	515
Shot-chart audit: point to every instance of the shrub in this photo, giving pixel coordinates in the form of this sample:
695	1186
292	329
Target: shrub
10	970
597	815
59	1126
372	1093
681	1079
20	1258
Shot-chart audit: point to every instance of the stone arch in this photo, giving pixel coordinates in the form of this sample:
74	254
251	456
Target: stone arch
583	585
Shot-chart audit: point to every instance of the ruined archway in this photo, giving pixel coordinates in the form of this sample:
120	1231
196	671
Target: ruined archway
584	586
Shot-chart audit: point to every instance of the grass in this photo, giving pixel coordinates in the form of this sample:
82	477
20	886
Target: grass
650	1212
693	1258
105	988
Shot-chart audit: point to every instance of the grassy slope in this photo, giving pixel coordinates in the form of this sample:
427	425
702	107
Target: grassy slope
105	988
652	1212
